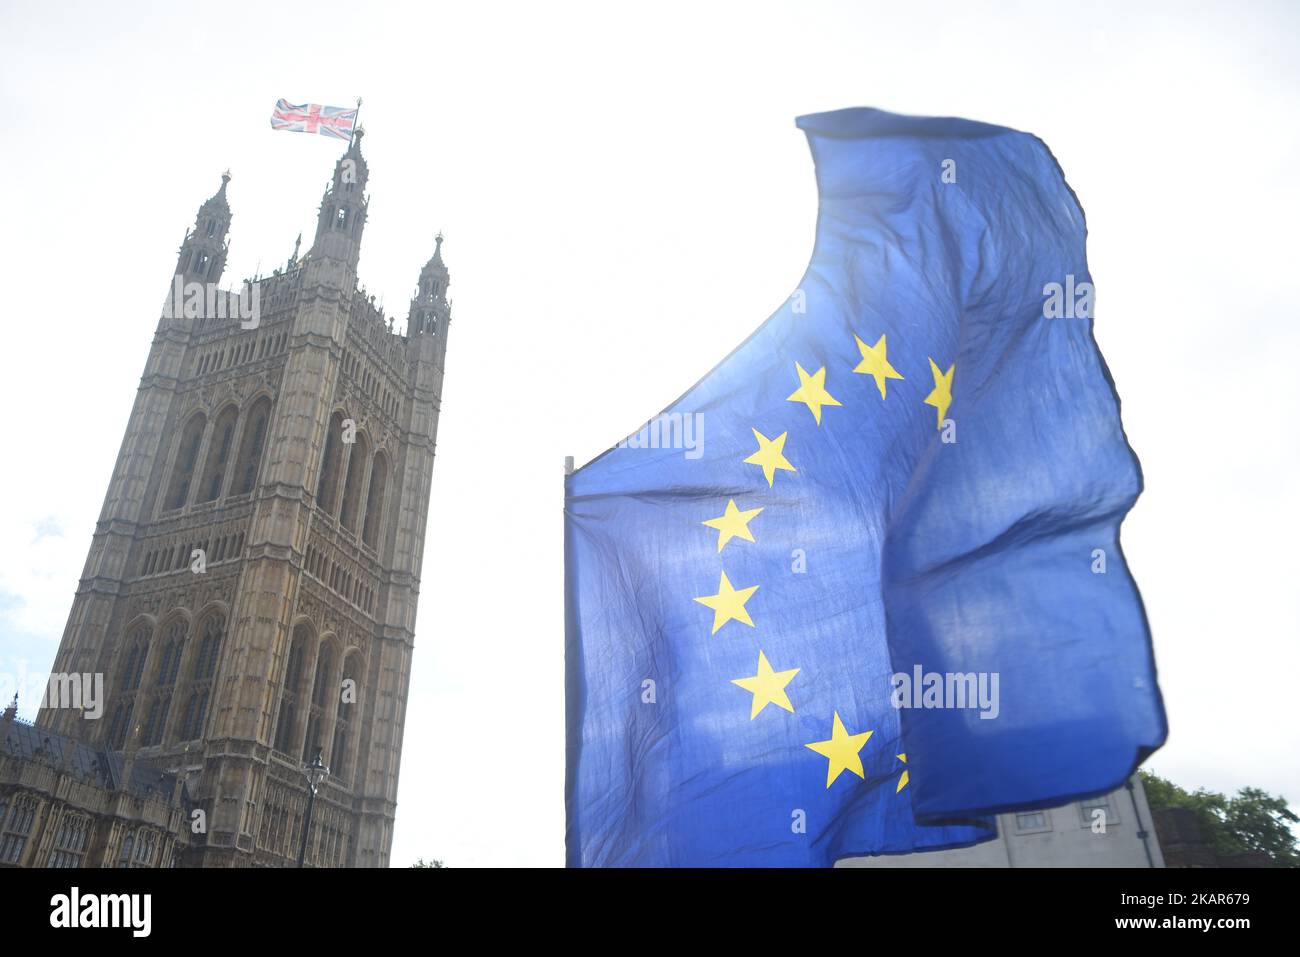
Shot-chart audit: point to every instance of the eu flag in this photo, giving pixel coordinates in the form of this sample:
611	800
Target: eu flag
861	586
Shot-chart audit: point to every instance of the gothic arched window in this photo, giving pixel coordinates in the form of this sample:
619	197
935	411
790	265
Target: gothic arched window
201	678
173	647
186	457
291	690
164	685
129	674
196	708
219	449
375	500
121	724
214	629
320	699
157	719
349	701
251	446
352	484
327	486
137	650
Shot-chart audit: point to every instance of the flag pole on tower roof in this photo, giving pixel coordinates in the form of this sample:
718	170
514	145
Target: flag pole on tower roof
356	123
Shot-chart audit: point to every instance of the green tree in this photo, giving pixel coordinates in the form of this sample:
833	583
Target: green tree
432	862
1262	823
1254	820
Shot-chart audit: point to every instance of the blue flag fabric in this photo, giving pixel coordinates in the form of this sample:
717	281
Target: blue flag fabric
862	586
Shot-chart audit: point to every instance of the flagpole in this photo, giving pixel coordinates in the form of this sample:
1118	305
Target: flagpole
356	122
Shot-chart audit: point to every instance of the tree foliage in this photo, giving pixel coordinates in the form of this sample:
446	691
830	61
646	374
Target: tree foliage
1254	820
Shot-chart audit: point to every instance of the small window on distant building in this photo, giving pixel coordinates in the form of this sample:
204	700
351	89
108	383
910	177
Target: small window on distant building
146	848
1031	822
1089	807
70	844
13	840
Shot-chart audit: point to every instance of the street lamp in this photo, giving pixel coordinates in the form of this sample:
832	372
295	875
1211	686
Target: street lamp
316	772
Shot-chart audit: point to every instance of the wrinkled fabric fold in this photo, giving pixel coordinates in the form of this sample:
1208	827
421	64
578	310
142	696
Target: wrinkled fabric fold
958	531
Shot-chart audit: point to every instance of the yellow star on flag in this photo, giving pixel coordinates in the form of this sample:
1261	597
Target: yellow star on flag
812	391
902	781
941	397
770	455
733	523
728	604
842	750
767	687
875	363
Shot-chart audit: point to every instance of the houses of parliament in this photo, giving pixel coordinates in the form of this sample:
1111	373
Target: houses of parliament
250	592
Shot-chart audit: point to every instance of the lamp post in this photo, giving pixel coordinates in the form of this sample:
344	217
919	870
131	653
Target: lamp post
316	772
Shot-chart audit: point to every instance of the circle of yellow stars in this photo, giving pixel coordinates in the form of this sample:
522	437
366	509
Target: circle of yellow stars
767	686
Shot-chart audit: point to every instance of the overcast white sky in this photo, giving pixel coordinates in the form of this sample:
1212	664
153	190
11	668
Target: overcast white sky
625	197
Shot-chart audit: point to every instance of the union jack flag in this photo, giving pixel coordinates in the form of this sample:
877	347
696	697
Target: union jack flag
336	121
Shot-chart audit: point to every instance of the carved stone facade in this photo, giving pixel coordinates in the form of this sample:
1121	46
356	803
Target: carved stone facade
63	804
251	587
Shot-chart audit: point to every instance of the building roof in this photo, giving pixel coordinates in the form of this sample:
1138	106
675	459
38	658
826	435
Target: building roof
104	769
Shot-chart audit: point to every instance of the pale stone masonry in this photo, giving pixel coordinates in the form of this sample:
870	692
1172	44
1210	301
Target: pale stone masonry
296	453
1111	830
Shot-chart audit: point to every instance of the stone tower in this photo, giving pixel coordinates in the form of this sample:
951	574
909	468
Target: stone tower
251	587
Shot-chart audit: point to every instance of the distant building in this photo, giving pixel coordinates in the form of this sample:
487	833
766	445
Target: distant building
251	587
1113	830
63	804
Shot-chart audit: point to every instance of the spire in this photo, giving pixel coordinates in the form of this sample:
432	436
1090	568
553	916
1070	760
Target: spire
218	201
430	310
7	721
343	209
203	251
436	269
